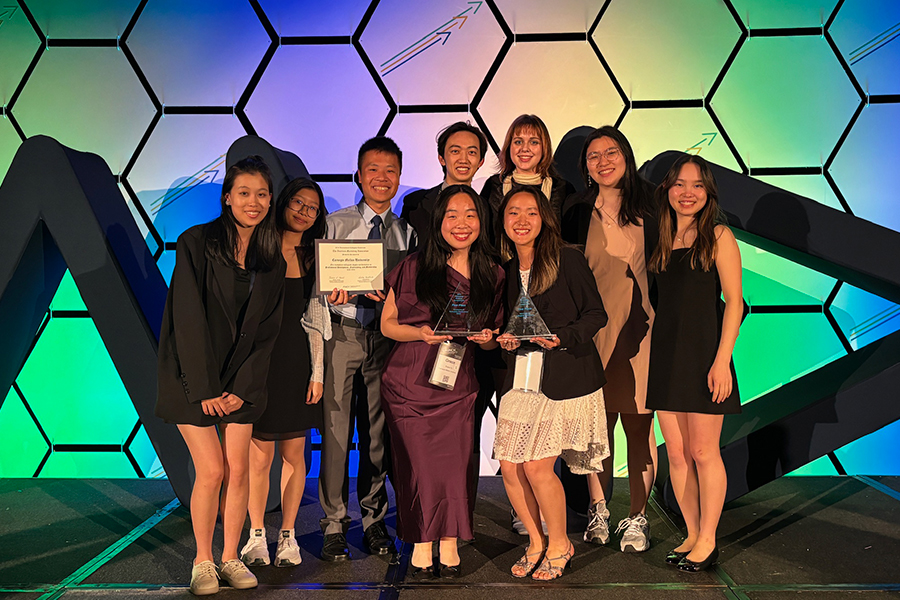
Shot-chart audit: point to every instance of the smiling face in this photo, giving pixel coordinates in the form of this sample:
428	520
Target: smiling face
460	227
605	162
462	158
687	196
249	199
526	151
379	178
300	213
522	219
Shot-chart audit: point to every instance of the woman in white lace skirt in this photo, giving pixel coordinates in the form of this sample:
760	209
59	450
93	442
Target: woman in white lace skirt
566	417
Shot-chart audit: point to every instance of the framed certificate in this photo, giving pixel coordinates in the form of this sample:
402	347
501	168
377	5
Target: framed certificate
353	265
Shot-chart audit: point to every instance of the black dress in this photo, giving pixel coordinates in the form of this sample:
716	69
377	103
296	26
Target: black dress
685	340
287	414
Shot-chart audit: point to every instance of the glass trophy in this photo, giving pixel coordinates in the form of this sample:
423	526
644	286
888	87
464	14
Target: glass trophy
456	320
524	324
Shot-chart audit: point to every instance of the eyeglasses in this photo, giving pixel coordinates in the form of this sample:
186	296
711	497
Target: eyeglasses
611	155
299	207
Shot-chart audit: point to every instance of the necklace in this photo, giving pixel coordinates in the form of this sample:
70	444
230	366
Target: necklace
609	220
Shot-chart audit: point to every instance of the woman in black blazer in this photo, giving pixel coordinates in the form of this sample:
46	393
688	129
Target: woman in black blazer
566	417
222	316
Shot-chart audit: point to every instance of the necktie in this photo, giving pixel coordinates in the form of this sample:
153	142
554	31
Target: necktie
365	308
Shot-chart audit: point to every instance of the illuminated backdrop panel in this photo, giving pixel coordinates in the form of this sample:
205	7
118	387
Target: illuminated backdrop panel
789	91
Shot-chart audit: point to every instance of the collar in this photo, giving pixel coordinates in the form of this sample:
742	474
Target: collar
367	213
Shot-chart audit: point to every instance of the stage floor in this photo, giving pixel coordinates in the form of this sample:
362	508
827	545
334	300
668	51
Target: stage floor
821	537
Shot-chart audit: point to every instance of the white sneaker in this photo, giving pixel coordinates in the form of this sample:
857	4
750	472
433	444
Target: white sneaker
597	531
637	534
255	552
237	575
204	580
519	527
288	552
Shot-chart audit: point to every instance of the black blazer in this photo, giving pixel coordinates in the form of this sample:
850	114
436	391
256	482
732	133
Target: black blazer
417	209
201	352
576	217
573	310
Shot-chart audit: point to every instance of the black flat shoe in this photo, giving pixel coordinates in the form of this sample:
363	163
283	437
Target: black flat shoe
449	571
690	566
414	573
674	557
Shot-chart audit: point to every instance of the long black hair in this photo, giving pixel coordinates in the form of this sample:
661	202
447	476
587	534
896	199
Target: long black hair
316	231
222	241
431	279
636	192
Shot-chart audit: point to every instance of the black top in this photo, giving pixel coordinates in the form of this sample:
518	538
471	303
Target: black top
492	194
417	209
205	348
573	310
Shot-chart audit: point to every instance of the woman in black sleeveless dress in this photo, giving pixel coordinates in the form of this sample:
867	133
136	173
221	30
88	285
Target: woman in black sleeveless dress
295	376
692	382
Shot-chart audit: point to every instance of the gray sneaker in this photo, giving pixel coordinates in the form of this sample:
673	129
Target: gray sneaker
637	533
255	552
597	531
204	580
237	575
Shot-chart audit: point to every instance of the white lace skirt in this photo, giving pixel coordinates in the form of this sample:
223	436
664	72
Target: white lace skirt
531	426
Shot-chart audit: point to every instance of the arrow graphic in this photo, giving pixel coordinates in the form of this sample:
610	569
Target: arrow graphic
6	13
707	141
439	34
205	175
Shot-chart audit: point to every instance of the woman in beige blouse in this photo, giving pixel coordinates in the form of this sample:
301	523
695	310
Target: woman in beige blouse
610	220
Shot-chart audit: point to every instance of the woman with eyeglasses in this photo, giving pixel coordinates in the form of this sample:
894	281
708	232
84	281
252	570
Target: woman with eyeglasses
296	375
612	219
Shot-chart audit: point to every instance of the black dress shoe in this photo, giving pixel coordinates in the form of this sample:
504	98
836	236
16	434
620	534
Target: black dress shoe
449	571
414	573
334	547
376	539
690	566
674	557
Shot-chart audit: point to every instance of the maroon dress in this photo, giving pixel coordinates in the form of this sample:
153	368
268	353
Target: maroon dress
432	429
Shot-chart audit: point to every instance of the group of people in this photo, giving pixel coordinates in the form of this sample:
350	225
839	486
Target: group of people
261	358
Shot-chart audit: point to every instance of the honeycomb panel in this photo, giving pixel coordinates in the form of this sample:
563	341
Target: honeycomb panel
142	450
821	467
9	143
415	46
178	176
814	187
770	280
84	401
656	50
864	317
652	131
22	447
785	101
765	14
145	231
88	465
198	53
166	264
82	18
866	163
335	17
320	103
416	134
67	296
341	194
88	99
532	16
866	31
18	44
793	345
874	454
574	89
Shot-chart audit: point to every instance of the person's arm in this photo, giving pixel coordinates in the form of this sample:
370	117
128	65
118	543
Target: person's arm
728	265
392	328
316	322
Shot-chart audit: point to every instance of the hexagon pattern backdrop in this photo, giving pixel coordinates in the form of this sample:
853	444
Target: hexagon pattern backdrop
803	94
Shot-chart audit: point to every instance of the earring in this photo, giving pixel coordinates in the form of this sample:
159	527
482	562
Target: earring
228	203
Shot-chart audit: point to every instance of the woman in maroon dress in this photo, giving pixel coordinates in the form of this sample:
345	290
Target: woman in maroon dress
432	428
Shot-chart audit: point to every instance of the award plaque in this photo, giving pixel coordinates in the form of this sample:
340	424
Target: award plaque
353	265
456	320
